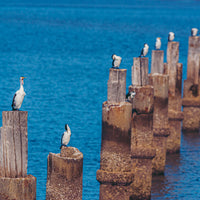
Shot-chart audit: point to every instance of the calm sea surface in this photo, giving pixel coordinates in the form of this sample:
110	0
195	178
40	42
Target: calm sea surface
65	53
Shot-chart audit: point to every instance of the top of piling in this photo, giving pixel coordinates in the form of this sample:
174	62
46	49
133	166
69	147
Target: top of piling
71	152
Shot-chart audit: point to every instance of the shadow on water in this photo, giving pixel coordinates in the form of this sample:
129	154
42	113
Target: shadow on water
182	174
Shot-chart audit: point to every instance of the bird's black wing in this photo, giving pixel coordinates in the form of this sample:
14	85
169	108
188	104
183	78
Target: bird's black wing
13	101
113	63
61	141
141	54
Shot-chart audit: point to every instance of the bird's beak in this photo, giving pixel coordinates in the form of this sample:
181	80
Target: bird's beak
23	78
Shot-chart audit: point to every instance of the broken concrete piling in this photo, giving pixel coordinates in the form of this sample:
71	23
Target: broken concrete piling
160	84
174	70
115	174
65	172
191	92
14	181
142	151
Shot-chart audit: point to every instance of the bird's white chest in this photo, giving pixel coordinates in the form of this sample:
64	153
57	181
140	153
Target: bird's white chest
19	98
158	44
117	61
66	138
145	51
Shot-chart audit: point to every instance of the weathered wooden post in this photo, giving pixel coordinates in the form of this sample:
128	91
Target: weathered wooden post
14	181
157	64
160	83
191	92
115	174
142	151
64	178
174	70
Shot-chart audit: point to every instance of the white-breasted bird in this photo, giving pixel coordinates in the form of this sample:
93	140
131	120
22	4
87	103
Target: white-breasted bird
158	43
171	36
194	32
145	50
116	61
65	136
19	96
130	96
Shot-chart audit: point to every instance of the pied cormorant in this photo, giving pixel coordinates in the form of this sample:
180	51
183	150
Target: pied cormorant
19	96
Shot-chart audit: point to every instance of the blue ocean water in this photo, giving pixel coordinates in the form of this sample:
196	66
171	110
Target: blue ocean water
64	49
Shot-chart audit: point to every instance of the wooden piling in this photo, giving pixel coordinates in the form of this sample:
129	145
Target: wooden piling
13	158
191	91
140	71
160	84
157	64
117	85
142	151
64	178
174	70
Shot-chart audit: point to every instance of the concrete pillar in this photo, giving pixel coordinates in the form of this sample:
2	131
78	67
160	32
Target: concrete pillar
142	151
157	58
191	92
65	172
160	120
174	70
115	173
23	188
117	85
140	71
13	158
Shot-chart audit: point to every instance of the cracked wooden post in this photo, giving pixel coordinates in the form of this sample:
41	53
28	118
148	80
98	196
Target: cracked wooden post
117	85
115	174
157	65
142	151
64	177
191	91
140	71
160	83
14	181
174	70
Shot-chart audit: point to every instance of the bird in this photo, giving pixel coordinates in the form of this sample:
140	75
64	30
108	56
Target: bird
130	96
145	50
116	61
194	32
158	43
65	136
19	96
171	36
194	89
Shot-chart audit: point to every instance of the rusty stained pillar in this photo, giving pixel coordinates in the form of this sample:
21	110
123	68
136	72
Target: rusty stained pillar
174	70
115	174
160	83
142	150
191	91
65	174
14	181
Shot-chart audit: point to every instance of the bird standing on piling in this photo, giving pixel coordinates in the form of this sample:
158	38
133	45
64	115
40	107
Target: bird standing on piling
65	136
158	43
194	32
145	50
171	36
116	61
19	96
130	96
